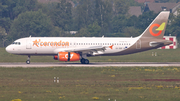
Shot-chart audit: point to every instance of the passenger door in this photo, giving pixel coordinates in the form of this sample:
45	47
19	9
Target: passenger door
28	44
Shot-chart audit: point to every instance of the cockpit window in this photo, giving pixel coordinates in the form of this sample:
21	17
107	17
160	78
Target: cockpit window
16	43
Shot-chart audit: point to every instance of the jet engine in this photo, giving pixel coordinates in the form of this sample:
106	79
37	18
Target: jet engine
67	56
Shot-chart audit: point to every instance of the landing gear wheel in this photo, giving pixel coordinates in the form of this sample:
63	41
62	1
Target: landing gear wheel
84	61
28	61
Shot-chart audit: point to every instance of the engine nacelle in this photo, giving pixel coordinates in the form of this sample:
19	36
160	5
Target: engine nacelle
67	56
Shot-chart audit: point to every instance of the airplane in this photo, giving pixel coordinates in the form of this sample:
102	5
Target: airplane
79	48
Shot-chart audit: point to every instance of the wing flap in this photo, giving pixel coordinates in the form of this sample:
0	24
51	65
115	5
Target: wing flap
82	50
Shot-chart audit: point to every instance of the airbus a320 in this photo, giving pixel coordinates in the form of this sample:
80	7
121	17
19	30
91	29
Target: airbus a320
79	48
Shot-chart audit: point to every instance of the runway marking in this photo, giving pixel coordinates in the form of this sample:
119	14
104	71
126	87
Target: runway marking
97	64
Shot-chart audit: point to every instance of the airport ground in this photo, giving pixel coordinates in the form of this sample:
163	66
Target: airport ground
147	56
92	83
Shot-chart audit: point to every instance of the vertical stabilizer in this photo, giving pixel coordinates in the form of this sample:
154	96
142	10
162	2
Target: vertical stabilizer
157	28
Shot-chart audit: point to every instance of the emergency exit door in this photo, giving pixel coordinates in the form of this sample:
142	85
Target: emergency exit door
138	44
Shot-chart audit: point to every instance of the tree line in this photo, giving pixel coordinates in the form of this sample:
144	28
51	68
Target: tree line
91	18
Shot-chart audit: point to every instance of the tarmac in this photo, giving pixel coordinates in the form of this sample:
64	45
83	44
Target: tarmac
95	64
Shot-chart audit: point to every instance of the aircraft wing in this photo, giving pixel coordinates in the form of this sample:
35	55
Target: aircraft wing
90	49
83	50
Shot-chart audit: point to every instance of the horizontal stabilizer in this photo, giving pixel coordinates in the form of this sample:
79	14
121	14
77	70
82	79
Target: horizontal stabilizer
162	43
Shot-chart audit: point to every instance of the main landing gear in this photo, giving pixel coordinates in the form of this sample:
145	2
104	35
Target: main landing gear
28	60
84	61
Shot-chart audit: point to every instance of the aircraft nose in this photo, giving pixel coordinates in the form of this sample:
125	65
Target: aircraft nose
8	49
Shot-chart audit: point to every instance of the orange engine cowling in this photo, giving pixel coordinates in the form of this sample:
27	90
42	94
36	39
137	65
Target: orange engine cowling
68	56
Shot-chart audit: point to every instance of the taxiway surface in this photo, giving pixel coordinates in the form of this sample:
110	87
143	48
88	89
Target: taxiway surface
97	64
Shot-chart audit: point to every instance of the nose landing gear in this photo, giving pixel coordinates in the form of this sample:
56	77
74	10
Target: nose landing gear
28	60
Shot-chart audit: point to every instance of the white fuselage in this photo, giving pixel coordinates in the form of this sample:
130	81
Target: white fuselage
53	45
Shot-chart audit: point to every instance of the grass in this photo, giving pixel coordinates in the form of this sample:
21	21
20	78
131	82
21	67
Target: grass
90	83
162	56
